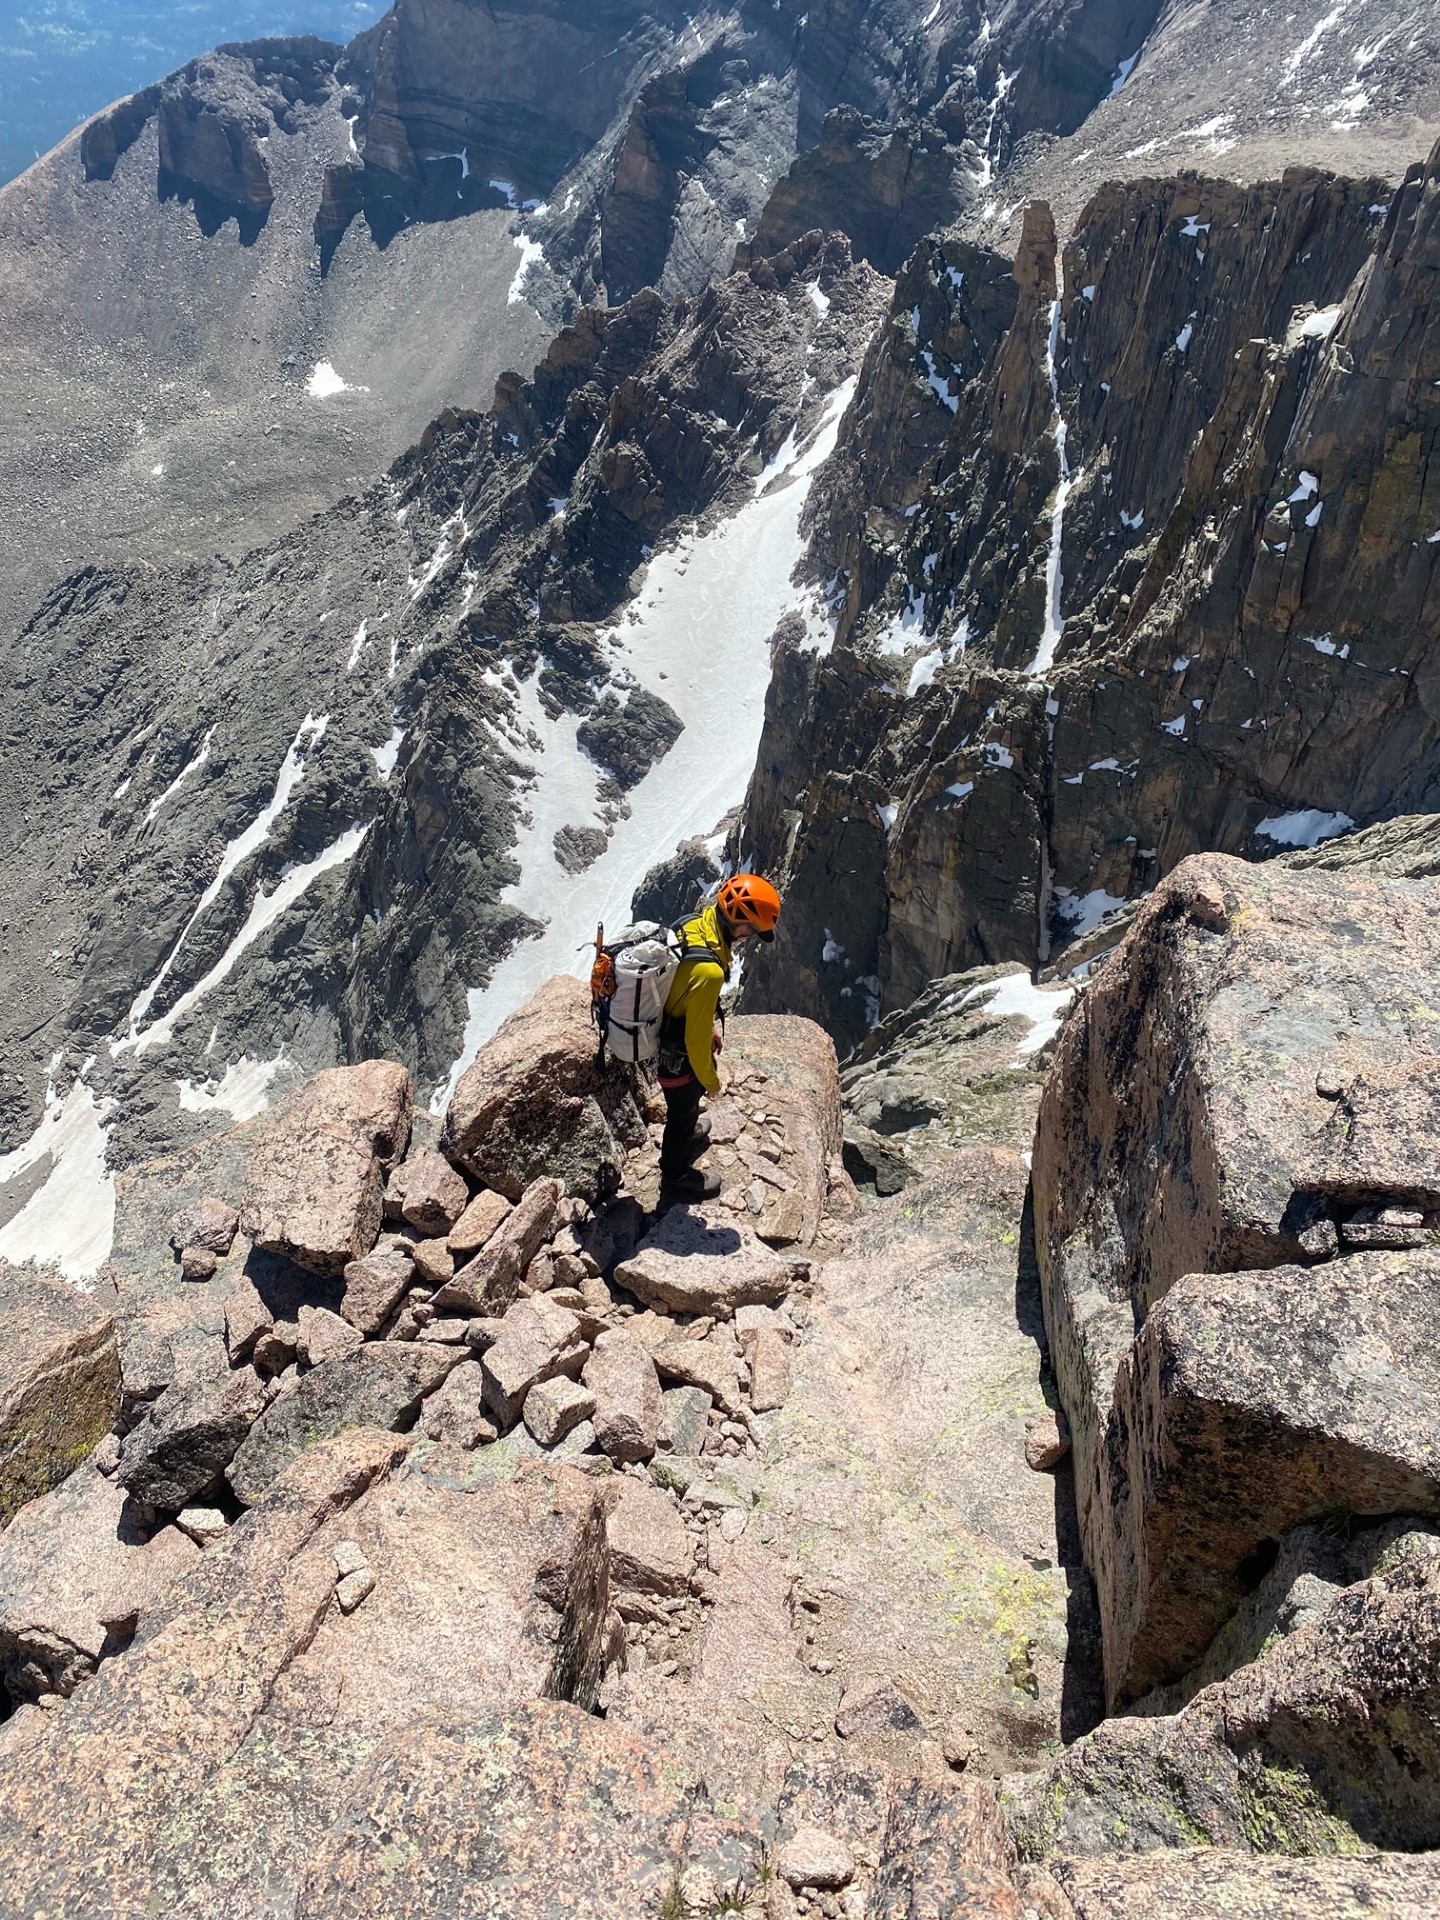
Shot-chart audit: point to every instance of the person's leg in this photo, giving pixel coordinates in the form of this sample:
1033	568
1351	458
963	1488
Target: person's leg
682	1109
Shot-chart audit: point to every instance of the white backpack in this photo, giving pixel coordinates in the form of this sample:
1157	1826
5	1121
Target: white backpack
629	985
644	971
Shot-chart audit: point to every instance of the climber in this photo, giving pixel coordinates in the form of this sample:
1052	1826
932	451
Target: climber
745	908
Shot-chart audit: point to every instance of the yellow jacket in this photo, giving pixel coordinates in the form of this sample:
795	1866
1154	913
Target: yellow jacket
694	997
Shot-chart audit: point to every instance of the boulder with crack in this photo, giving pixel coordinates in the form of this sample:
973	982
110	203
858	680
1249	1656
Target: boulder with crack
233	1728
1242	1409
1242	1081
314	1188
1327	1742
537	1102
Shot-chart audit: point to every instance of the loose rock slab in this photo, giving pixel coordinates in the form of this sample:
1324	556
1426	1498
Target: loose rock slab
456	1413
699	1260
554	1407
802	1098
538	1340
765	1344
380	1386
875	1706
1047	1441
621	1375
210	1223
684	1419
246	1318
325	1336
472	1230
189	1438
486	1285
706	1364
426	1193
650	1549
814	1858
374	1287
533	1221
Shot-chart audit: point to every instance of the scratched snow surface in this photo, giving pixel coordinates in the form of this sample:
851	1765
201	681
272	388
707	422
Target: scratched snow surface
707	611
242	1091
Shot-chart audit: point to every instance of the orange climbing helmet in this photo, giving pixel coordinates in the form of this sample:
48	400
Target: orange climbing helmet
745	896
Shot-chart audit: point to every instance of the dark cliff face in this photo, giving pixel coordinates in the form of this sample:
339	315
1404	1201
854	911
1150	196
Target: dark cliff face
883	186
213	118
669	133
1217	632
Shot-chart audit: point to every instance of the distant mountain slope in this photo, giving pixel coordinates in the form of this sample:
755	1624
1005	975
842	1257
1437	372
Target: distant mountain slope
155	394
1241	91
308	803
170	280
62	63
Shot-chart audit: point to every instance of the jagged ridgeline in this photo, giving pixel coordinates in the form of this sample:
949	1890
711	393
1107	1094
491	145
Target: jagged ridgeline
248	288
1014	1493
1134	553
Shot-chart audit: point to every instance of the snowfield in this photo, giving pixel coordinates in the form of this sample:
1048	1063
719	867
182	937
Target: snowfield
702	641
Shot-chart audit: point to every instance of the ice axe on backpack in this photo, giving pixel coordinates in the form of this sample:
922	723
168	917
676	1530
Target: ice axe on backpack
602	990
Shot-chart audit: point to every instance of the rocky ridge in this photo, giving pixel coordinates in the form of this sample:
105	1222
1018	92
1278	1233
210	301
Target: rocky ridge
614	1395
399	220
763	1513
1123	554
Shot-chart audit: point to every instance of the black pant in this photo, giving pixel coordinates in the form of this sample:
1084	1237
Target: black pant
682	1110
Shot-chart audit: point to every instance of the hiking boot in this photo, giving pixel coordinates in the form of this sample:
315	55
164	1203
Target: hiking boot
699	1143
694	1184
702	1129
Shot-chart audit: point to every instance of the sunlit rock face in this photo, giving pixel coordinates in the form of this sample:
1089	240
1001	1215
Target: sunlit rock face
1147	567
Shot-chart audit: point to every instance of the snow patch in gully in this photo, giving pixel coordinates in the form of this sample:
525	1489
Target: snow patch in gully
242	1091
1054	581
292	769
707	611
69	1221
